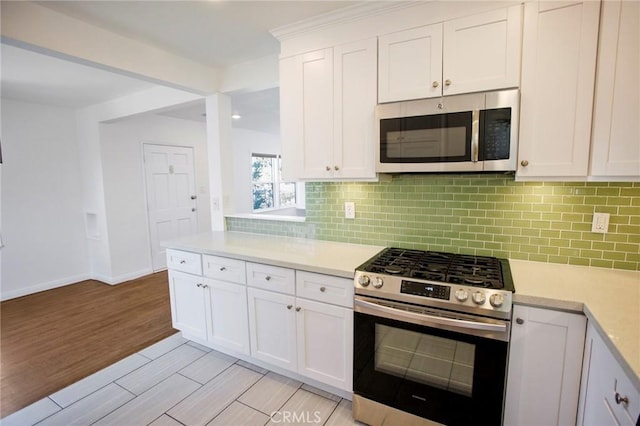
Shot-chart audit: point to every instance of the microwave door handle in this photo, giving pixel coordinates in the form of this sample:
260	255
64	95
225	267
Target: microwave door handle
375	309
475	135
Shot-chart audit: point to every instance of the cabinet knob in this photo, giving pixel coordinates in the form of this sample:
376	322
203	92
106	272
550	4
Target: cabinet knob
328	168
447	82
193	197
289	307
268	278
519	320
524	163
199	285
222	269
621	399
193	209
336	168
205	286
323	289
298	309
182	262
435	84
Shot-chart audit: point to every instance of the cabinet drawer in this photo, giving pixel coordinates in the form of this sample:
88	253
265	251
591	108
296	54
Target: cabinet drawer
272	278
184	261
324	288
225	269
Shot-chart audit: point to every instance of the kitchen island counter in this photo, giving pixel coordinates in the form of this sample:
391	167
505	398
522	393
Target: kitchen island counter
323	257
610	298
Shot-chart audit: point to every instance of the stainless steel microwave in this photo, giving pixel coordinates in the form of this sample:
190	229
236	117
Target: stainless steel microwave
464	133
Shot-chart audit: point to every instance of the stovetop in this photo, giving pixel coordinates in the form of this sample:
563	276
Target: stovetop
475	271
473	284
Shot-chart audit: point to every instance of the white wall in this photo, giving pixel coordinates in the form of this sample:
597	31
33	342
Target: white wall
124	185
246	142
42	208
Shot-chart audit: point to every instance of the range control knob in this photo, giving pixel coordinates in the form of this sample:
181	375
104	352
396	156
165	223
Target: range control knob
496	300
364	280
462	295
377	283
478	298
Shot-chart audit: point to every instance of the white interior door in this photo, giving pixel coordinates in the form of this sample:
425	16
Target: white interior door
171	196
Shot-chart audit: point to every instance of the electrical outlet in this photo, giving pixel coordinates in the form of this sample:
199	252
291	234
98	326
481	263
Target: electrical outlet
600	223
349	210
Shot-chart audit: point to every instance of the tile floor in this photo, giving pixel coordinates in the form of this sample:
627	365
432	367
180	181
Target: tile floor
178	382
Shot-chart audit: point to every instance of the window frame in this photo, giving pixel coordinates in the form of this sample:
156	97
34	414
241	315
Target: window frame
276	163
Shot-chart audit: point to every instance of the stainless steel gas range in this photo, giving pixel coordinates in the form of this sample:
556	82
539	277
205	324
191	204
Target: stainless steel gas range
431	338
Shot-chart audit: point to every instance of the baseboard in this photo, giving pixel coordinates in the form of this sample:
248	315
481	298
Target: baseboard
73	280
122	278
43	286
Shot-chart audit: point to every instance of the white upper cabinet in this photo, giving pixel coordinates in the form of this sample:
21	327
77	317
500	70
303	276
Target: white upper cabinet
482	52
328	99
615	146
472	54
558	72
410	64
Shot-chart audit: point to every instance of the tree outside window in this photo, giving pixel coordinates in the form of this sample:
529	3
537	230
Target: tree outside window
268	189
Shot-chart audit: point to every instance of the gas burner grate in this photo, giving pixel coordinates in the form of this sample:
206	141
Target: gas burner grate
477	271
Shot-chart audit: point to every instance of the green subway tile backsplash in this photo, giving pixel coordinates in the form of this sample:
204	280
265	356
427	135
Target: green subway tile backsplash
476	214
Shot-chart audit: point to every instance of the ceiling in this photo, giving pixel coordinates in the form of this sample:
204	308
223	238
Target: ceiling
215	33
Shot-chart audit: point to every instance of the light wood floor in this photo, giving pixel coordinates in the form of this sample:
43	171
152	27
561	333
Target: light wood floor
54	338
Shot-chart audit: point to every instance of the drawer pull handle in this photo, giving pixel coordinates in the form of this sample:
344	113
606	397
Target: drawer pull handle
298	309
182	262
222	269
268	278
289	307
323	289
621	399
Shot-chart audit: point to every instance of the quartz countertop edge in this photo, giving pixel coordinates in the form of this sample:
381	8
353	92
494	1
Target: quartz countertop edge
323	257
610	298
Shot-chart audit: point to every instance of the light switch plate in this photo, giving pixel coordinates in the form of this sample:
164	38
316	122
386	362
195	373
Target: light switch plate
349	210
600	223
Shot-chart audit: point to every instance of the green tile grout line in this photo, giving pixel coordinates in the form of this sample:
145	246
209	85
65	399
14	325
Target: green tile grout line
489	214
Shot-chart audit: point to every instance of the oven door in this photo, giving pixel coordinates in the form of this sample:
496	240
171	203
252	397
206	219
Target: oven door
441	366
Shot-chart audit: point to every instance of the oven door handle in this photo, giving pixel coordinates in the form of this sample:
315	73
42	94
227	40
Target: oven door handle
375	309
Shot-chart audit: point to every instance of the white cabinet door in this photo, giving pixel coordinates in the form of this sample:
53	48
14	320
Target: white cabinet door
188	304
272	327
315	69
229	324
410	64
615	150
558	72
325	343
482	52
543	379
354	108
607	395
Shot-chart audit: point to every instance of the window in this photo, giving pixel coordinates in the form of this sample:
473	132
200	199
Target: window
267	187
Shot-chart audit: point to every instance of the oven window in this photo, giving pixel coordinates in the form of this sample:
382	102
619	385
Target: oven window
435	361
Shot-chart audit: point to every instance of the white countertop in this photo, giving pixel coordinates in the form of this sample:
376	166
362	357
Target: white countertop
324	257
609	297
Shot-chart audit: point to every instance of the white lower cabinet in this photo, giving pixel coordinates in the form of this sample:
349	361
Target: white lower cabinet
312	338
228	322
325	343
545	358
607	394
188	303
272	327
253	309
